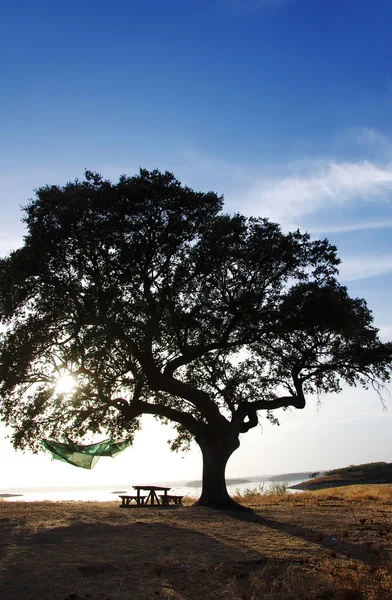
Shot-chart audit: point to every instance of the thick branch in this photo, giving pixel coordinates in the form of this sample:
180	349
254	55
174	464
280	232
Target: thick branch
136	408
185	419
164	383
248	410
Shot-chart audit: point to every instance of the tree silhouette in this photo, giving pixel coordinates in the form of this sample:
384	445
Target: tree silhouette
158	303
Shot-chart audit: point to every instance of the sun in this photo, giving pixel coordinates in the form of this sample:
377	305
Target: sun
65	384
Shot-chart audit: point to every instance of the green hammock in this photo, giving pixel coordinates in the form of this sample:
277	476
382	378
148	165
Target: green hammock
85	457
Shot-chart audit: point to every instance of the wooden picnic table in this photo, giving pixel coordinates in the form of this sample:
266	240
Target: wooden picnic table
151	499
152	490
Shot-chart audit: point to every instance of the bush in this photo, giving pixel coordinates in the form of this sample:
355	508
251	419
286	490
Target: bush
276	488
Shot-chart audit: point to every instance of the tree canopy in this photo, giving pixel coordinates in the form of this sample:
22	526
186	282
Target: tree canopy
156	302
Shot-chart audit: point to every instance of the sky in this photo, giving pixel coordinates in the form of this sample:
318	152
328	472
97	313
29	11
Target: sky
282	106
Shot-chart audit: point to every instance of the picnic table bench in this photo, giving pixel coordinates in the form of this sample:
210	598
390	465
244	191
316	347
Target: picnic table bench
126	500
167	498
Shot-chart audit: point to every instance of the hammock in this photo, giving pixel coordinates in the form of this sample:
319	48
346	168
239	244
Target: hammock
85	457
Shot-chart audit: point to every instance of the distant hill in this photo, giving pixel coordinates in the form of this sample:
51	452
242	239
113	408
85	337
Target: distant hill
368	473
293	476
376	469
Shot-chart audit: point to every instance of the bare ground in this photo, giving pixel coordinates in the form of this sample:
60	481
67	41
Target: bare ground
334	544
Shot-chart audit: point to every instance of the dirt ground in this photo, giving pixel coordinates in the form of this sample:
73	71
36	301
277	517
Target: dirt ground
311	546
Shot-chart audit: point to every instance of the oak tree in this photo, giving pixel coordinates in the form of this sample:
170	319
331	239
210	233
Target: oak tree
157	302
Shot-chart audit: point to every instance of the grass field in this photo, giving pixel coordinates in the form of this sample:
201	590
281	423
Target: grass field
330	544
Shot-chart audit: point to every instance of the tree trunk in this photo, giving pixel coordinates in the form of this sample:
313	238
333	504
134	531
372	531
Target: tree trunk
216	452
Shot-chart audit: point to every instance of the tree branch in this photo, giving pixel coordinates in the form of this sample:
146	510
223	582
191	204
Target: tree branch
248	410
197	352
185	419
161	382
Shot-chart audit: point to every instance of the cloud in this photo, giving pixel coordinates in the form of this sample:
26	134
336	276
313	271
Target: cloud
368	225
360	267
325	185
386	333
371	139
10	242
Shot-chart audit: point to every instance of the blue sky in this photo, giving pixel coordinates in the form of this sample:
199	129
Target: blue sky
284	106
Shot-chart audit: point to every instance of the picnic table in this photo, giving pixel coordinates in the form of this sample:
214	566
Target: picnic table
151	498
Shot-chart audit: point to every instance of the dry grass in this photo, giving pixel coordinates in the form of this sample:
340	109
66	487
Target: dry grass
382	494
331	544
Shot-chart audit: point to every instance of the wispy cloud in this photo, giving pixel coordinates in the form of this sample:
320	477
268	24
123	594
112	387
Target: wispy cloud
321	195
360	267
318	187
386	333
328	184
369	225
9	241
371	139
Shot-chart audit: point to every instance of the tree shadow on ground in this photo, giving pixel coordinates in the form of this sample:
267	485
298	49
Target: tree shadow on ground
346	548
66	552
140	560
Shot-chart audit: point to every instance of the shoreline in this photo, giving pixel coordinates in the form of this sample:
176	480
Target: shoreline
10	495
334	483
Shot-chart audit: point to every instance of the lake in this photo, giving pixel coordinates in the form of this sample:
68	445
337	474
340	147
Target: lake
107	493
